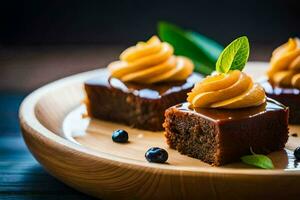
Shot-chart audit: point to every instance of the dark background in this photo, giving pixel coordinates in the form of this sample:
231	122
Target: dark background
125	22
43	40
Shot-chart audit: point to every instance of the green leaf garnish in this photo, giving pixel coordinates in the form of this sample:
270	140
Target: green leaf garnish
234	56
258	160
201	50
209	47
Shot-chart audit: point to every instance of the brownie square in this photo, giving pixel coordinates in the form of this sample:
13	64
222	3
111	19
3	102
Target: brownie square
220	136
287	96
137	105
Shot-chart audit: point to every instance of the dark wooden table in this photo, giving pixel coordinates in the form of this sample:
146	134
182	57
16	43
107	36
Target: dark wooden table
21	176
22	70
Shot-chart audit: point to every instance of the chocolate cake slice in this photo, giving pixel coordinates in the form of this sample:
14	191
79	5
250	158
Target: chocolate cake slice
287	96
219	136
134	104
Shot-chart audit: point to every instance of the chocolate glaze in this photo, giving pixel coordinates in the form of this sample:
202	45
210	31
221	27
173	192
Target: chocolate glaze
233	114
287	96
148	91
272	89
137	105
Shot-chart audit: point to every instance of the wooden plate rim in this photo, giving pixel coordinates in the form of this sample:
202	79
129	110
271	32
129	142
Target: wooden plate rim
32	126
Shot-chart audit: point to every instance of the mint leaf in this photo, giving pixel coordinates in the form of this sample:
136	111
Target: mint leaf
190	45
234	56
258	160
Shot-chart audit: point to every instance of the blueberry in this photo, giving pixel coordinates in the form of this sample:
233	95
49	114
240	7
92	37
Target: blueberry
156	155
297	153
120	136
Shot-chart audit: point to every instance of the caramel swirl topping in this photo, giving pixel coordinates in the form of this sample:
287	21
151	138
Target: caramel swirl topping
285	64
151	62
231	91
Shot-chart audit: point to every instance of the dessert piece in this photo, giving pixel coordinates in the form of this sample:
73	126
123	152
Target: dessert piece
137	105
283	82
220	136
226	115
147	80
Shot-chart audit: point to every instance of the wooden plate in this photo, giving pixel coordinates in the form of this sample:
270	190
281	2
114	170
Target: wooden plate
80	153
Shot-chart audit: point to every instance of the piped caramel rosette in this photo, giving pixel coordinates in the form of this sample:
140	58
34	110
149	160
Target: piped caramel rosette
285	65
231	90
151	62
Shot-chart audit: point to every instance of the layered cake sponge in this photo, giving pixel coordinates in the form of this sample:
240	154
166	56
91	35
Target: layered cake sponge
220	136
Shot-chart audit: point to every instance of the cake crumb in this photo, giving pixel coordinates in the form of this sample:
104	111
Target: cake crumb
294	134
